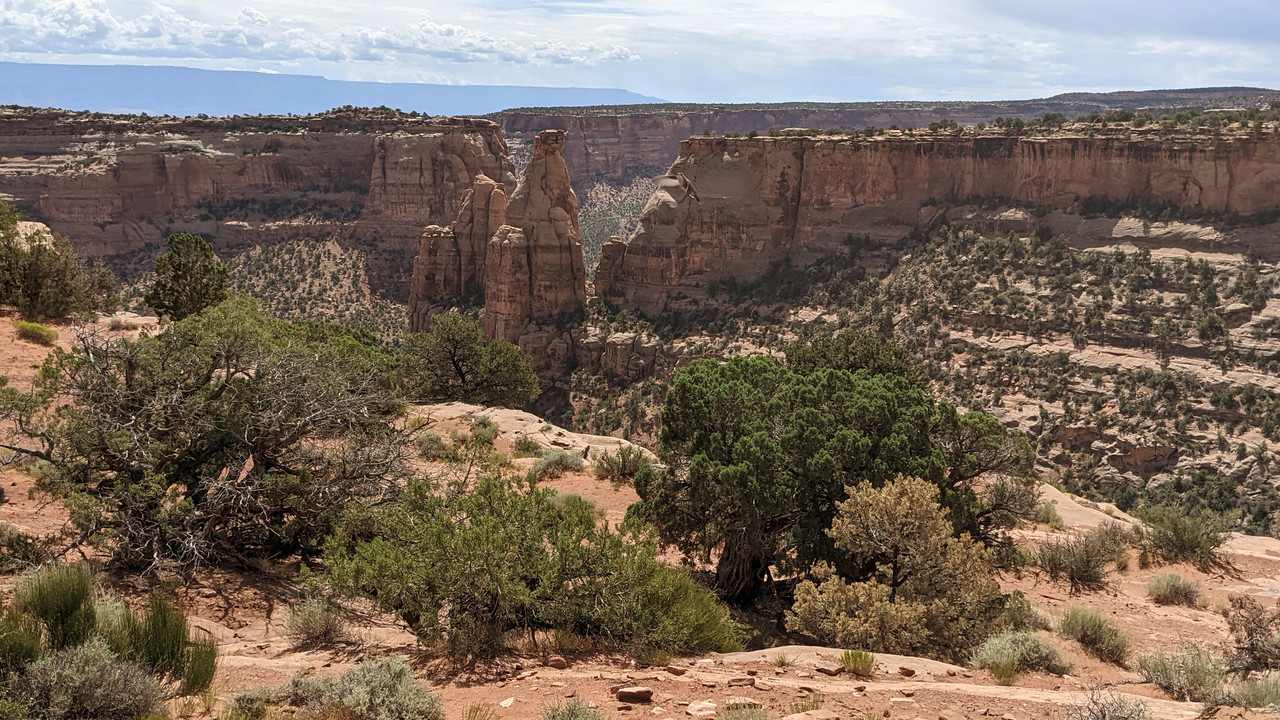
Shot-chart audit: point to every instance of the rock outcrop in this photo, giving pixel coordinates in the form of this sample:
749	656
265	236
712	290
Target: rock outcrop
764	199
521	254
542	225
117	184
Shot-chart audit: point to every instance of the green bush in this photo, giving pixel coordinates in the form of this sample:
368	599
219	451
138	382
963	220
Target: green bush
382	689
1178	535
526	446
1024	651
572	710
1099	704
316	623
1020	615
88	681
620	466
556	463
1082	560
1172	589
858	662
1047	514
484	429
1194	674
35	332
60	597
552	563
44	278
19	642
430	445
1100	637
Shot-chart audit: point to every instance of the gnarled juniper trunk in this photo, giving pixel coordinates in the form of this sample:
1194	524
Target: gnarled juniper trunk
740	574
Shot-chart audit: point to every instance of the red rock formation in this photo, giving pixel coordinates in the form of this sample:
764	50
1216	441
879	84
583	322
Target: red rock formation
451	261
534	273
117	184
766	198
617	143
523	255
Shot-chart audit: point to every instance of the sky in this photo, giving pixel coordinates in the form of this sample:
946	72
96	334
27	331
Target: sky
682	50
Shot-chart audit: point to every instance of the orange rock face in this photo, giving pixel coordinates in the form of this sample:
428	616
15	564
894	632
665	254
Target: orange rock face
521	254
768	198
116	184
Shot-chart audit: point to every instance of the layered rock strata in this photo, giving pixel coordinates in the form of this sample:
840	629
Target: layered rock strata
521	254
764	199
116	184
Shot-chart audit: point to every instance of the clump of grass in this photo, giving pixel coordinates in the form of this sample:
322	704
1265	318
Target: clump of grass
741	711
1194	674
480	711
35	332
1099	704
782	660
316	623
1172	589
572	710
1099	636
1082	560
1259	691
556	463
60	597
858	662
805	704
1008	654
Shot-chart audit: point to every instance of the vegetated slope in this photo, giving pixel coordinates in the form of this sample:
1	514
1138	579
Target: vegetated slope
322	280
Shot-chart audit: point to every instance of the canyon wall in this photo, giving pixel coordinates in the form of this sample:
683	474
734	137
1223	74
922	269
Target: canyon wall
617	143
118	184
763	199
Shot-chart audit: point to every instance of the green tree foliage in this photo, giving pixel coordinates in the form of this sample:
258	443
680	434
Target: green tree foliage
227	436
928	593
188	278
468	563
452	361
758	453
44	278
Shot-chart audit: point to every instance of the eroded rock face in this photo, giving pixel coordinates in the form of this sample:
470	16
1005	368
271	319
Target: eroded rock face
534	272
764	199
116	184
451	261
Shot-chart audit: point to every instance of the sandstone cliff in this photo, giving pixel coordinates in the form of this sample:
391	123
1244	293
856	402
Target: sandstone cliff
117	184
615	143
521	254
768	198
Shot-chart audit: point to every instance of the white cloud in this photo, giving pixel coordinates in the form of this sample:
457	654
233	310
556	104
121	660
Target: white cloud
91	27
